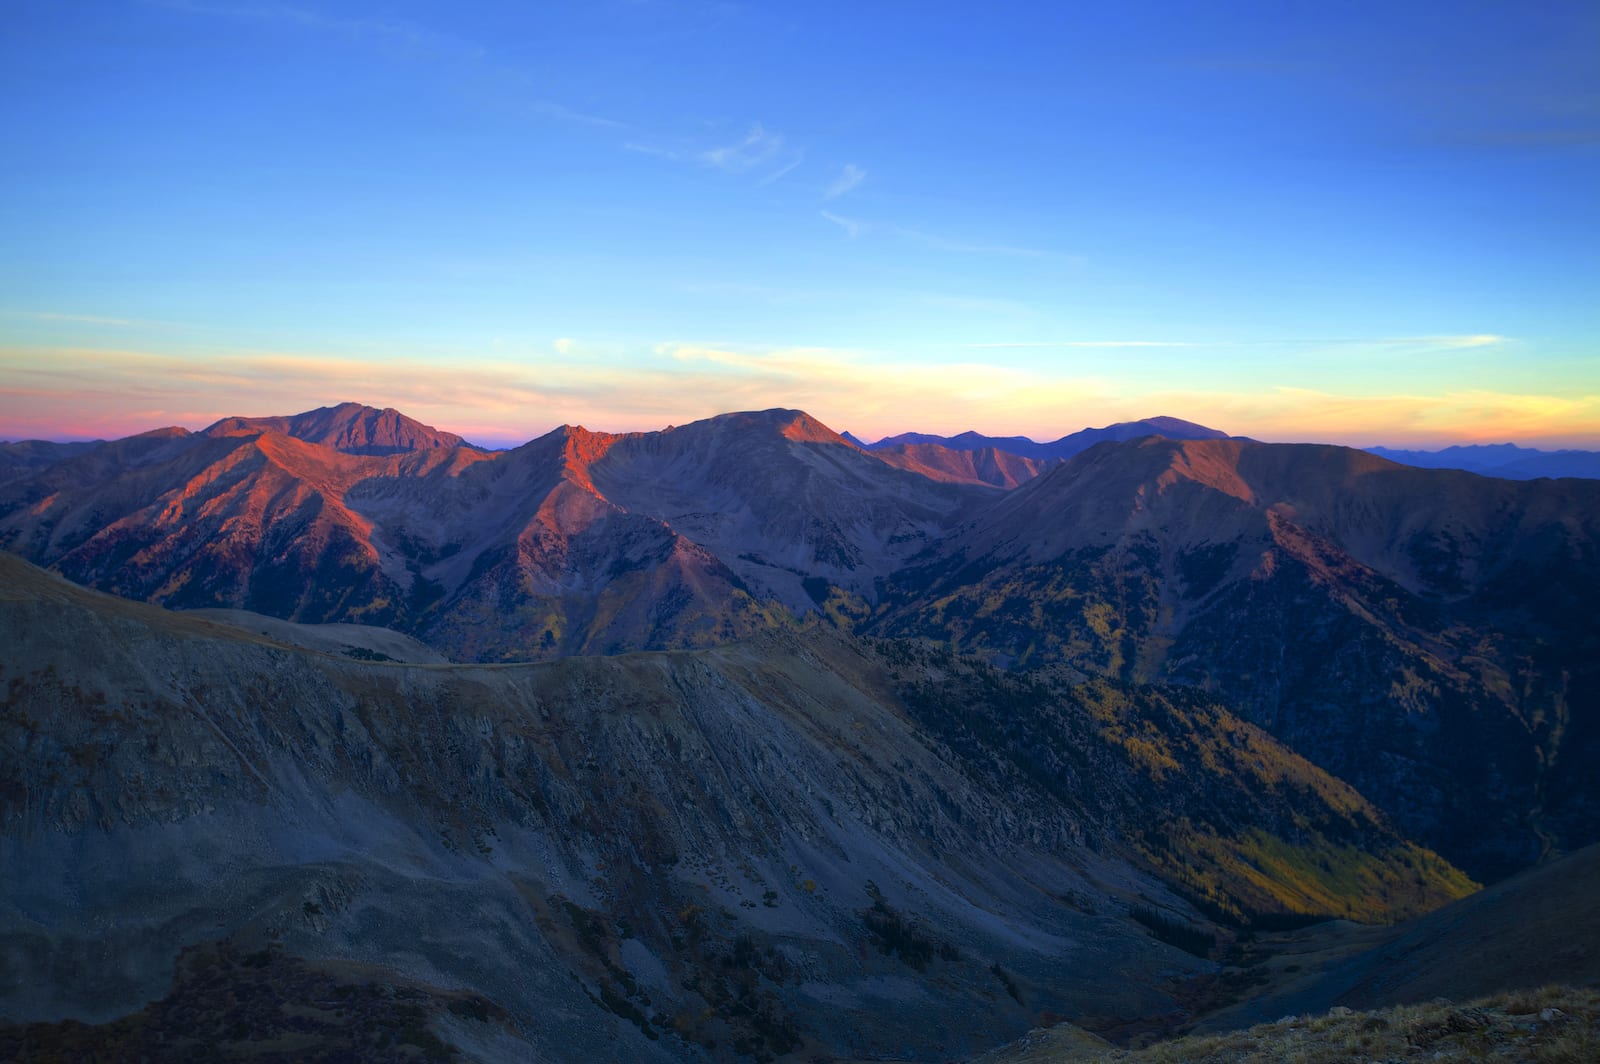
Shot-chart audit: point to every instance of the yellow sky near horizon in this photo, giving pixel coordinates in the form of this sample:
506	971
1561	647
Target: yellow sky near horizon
91	392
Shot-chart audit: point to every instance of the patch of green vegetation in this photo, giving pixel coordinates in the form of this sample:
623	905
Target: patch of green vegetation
902	936
1006	981
1177	933
365	654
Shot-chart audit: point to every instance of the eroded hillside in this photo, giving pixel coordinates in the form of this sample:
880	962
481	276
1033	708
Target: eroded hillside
777	844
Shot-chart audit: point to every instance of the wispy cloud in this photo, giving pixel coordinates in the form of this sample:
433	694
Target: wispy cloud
758	152
1088	343
93	319
1418	343
799	156
851	226
1449	342
657	151
969	304
561	112
855	227
755	148
851	176
942	243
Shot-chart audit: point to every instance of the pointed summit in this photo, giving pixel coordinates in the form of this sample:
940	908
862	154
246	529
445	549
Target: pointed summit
349	427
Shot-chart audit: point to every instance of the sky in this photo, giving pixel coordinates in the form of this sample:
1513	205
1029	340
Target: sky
1360	223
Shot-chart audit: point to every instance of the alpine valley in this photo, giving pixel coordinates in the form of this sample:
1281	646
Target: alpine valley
333	737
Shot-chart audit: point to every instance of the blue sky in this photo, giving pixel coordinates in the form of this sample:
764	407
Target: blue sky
1352	222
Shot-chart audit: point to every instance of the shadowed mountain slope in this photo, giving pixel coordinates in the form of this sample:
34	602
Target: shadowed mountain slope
986	465
1530	944
1067	446
1426	635
26	457
1536	928
792	845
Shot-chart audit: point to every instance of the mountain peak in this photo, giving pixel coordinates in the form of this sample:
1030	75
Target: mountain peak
353	428
1178	428
788	423
801	426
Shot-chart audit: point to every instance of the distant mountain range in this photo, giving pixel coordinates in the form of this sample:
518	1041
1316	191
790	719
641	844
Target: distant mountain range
1496	460
1006	461
1501	460
1065	447
921	715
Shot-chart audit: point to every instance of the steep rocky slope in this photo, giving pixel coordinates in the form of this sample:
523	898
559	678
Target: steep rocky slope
577	542
1424	634
782	500
791	845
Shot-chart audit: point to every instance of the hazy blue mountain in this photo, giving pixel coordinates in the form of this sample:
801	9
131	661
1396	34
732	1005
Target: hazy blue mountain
1501	460
1067	446
26	457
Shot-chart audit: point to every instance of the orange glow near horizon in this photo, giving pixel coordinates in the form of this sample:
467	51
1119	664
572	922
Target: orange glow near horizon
89	394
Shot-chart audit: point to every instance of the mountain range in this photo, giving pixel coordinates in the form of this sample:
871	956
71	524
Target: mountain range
1501	460
759	742
1505	460
1067	446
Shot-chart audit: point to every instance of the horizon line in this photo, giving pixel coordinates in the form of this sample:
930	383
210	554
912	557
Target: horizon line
499	440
